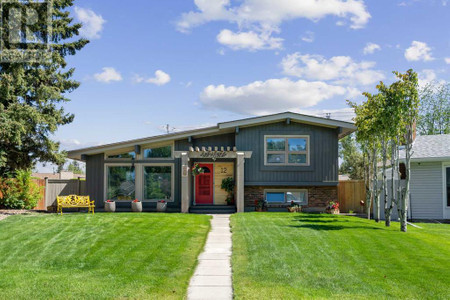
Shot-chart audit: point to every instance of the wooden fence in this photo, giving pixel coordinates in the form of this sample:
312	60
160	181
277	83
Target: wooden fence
53	188
350	194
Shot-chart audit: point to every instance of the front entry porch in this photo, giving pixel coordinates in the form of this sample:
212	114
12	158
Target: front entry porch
203	193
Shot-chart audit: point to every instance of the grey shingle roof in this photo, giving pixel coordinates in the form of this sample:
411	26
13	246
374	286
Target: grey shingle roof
431	146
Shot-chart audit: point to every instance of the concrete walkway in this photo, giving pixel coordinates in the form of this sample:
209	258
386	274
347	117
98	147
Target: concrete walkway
212	278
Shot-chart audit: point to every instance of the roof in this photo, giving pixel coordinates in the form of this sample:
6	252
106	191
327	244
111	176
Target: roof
430	148
224	127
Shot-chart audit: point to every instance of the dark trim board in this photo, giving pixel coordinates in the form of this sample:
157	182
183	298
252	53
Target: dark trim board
332	183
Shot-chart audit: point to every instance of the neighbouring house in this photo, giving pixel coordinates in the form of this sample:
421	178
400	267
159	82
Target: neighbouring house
430	177
280	158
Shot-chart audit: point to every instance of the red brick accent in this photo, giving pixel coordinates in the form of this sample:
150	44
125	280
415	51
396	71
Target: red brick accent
318	196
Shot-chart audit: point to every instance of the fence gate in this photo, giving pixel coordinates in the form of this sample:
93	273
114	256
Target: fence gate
350	193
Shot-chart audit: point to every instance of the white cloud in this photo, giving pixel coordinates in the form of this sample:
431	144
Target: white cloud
371	48
92	23
418	51
339	69
161	78
263	97
270	14
447	60
248	40
263	18
427	76
109	74
308	37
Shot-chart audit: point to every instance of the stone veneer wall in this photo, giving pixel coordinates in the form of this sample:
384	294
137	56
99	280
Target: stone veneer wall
318	196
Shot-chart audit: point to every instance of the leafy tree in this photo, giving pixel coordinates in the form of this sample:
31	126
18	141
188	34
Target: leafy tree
353	163
32	93
384	120
75	168
434	112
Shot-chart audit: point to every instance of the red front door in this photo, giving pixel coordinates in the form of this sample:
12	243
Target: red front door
204	185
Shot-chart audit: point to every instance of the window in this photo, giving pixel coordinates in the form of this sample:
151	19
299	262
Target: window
287	196
127	155
287	150
157	182
160	152
121	183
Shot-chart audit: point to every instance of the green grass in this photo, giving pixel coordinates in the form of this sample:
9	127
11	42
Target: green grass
292	256
101	256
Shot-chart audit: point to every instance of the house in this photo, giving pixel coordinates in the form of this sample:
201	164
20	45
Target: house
281	158
430	177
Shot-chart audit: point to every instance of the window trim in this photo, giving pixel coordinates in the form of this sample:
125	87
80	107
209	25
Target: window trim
285	191
149	146
445	165
286	152
172	179
105	182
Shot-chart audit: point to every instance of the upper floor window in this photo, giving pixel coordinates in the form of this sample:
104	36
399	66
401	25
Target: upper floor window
286	150
126	155
158	152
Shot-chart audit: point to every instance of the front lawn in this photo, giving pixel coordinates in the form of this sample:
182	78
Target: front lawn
101	256
291	256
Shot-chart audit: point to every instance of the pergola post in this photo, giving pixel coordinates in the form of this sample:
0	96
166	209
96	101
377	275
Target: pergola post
240	160
185	182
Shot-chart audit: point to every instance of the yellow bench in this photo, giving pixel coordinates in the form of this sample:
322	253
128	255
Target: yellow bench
73	201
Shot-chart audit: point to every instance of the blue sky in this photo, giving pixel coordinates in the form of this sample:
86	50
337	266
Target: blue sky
195	63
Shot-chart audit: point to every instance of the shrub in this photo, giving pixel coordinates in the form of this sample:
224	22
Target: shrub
228	186
19	192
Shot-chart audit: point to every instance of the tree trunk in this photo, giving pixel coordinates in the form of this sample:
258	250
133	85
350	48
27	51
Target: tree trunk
405	200
384	183
367	182
394	166
375	192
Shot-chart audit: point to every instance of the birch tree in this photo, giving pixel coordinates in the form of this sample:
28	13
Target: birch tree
406	90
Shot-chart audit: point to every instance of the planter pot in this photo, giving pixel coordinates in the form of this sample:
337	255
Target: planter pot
161	207
136	206
260	209
110	206
333	211
294	209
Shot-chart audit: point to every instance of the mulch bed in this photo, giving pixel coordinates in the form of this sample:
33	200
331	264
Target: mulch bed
4	213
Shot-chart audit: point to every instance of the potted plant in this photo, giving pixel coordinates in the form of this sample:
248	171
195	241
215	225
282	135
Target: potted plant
136	205
294	207
110	206
333	208
228	186
261	205
196	170
161	206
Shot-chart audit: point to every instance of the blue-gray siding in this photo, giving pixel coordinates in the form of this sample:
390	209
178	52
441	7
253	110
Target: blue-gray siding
323	155
221	140
95	178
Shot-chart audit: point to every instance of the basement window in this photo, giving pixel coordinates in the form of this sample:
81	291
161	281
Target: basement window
299	196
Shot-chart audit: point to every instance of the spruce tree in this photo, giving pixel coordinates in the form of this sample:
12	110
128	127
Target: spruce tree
32	93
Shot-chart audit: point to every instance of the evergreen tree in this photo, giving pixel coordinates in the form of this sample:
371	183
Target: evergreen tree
32	92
